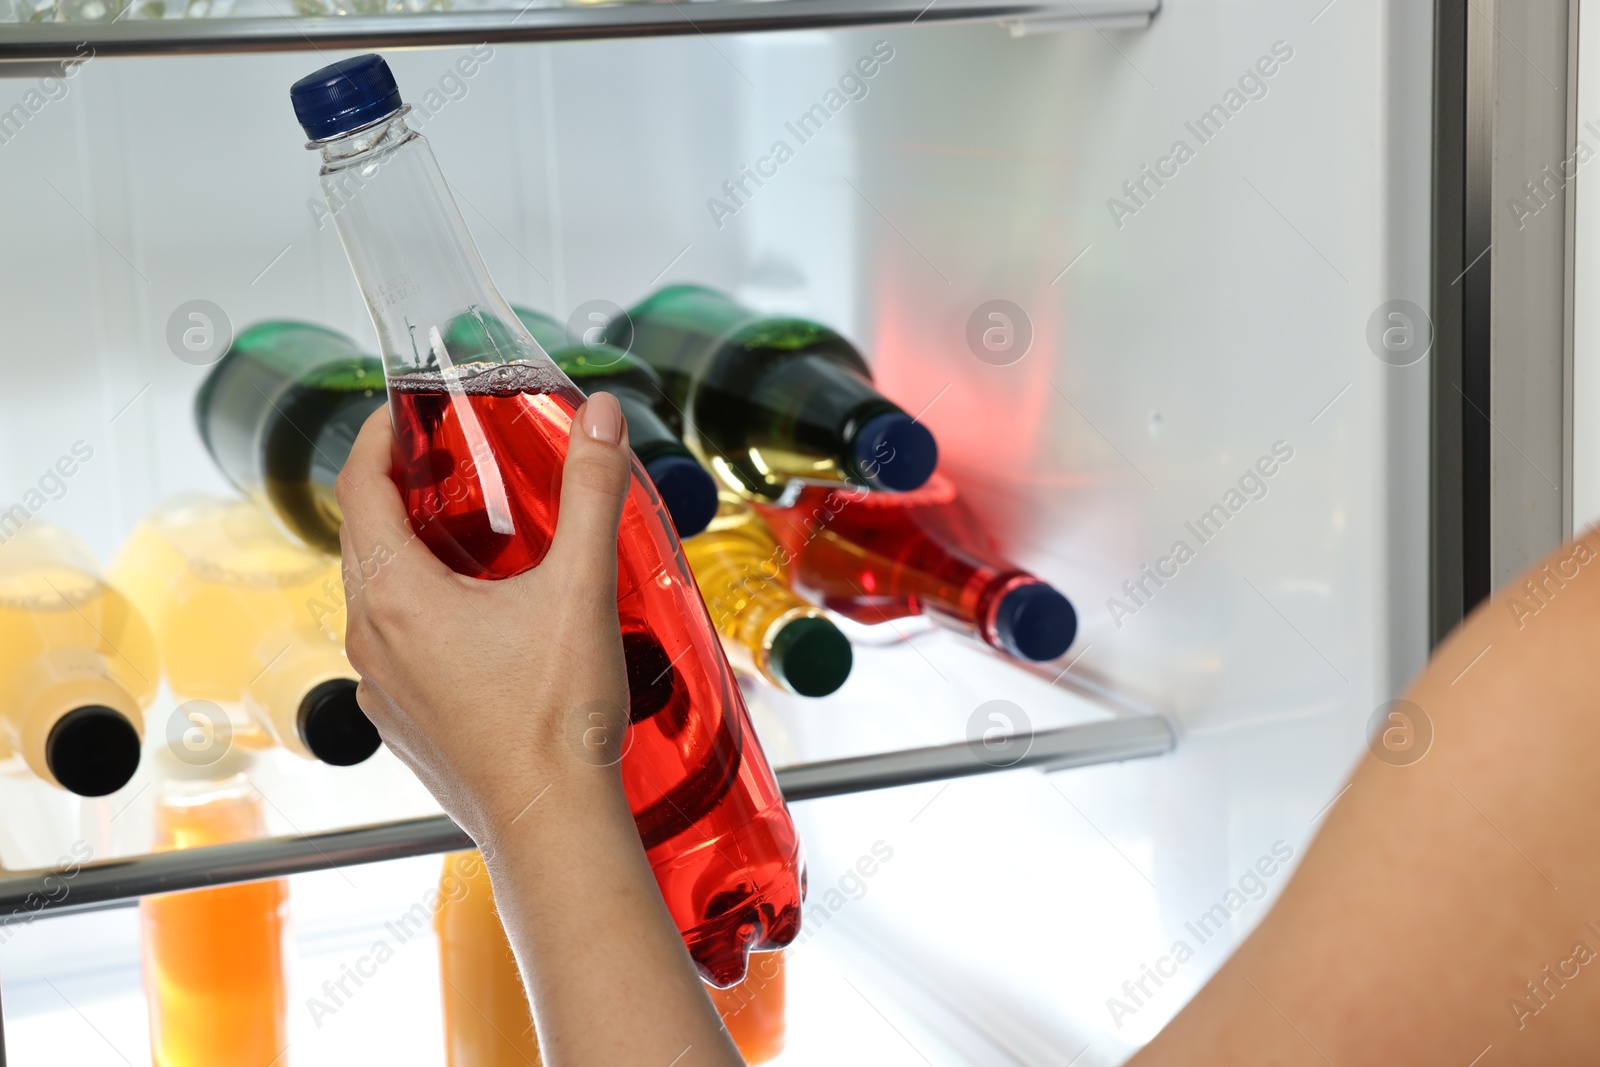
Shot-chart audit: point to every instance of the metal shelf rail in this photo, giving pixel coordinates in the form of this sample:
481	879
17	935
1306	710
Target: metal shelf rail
57	42
27	895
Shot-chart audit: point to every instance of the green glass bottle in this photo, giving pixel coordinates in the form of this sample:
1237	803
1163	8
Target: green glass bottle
686	488
766	401
279	413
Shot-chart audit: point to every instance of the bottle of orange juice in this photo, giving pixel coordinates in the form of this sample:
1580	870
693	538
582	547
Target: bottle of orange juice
213	958
77	664
487	1021
753	1010
251	620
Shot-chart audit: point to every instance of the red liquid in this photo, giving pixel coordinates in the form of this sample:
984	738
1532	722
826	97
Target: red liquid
480	468
873	557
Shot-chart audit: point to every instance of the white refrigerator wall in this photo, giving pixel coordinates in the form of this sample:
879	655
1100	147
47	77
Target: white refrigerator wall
1181	329
1585	238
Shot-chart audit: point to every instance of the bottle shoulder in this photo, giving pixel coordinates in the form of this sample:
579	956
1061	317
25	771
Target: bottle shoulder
796	336
605	367
298	350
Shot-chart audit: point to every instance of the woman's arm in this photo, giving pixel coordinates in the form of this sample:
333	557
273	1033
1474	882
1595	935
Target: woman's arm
508	700
1453	905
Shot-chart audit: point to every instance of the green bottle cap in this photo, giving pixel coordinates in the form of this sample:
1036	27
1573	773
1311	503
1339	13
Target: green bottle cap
811	656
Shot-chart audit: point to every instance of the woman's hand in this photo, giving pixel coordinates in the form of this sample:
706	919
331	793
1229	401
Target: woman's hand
508	699
492	692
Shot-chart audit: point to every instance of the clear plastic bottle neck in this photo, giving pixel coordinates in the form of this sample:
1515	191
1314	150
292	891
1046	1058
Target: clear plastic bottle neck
377	137
436	310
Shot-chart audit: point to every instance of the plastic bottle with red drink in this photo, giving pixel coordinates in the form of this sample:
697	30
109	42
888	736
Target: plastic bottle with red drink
874	557
481	426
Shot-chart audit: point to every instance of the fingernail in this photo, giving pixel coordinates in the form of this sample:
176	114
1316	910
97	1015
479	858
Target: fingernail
602	418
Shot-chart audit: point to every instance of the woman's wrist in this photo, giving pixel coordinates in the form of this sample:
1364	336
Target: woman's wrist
558	755
540	810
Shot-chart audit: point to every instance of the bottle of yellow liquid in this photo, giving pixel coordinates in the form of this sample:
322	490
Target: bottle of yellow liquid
214	958
742	575
250	620
487	1021
753	1010
77	665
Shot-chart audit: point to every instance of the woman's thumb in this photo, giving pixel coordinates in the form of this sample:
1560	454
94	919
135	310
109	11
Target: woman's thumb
594	484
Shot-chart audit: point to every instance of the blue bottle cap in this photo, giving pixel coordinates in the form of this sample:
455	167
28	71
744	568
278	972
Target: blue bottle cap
1035	622
687	490
893	451
344	96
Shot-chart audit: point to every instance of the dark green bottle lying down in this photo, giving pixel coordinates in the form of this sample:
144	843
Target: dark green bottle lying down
770	400
281	410
685	487
279	414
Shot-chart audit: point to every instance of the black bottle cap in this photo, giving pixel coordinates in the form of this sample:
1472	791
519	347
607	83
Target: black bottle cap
811	656
333	726
1035	622
893	451
92	750
687	490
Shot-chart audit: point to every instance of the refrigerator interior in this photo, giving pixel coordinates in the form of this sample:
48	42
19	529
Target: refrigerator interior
1182	322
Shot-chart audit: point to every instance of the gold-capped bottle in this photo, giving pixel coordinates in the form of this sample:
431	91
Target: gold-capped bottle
743	576
487	1021
78	664
250	620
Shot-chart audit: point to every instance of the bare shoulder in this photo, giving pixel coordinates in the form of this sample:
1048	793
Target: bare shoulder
1452	902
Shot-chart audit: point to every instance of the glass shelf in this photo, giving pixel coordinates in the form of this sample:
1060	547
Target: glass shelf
65	30
108	883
